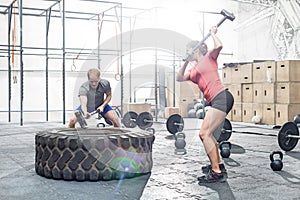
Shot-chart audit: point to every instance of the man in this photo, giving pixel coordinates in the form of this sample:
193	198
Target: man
91	97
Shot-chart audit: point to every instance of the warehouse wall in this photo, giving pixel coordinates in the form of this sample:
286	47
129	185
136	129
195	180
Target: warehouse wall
254	41
246	44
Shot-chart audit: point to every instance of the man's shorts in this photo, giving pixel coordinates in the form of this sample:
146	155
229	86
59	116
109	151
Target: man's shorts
106	109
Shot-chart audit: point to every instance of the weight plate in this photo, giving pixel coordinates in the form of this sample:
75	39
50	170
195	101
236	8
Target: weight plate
175	124
286	143
226	130
129	119
223	133
144	120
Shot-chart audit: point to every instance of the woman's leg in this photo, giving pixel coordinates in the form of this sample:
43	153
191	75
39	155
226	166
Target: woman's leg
211	122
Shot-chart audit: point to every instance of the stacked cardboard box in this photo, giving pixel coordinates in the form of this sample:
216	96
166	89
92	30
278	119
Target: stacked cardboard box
137	107
185	95
287	90
267	89
238	80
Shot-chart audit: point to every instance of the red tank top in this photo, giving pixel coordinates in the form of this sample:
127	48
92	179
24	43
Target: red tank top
207	77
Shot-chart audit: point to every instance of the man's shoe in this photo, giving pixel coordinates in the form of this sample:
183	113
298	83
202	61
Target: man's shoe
212	177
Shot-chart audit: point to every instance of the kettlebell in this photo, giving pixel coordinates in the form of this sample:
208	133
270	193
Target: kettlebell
102	125
297	119
225	147
150	130
276	164
180	140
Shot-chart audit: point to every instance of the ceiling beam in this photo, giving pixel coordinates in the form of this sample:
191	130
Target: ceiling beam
266	3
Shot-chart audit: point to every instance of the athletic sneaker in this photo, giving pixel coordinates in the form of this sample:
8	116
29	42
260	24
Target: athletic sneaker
206	168
211	177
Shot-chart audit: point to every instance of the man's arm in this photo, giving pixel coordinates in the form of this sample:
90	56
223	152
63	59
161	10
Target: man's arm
83	103
105	102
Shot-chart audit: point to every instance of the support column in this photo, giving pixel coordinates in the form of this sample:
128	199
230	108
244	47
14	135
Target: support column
9	61
64	64
20	5
48	15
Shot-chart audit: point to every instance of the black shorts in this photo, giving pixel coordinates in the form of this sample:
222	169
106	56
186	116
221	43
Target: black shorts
223	101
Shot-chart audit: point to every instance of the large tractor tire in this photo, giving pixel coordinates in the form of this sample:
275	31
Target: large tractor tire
93	154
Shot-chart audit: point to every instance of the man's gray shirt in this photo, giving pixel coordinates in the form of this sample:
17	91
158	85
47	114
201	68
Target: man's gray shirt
95	97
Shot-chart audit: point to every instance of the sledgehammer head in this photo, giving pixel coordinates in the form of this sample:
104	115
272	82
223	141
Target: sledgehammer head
228	15
80	119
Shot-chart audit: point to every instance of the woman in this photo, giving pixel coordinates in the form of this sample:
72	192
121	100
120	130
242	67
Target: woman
205	74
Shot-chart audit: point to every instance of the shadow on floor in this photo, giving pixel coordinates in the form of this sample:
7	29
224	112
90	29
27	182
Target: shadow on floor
289	177
223	189
294	154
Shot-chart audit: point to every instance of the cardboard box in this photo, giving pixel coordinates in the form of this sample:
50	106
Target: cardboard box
257	93
286	112
247	93
184	105
247	112
171	110
246	73
242	74
183	90
264	72
237	112
189	89
137	107
236	75
235	90
268	114
287	92
268	93
257	109
288	70
226	75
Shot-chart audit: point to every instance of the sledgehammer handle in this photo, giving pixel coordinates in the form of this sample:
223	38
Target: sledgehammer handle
227	15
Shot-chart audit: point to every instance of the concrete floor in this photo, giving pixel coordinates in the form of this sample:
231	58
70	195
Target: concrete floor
172	177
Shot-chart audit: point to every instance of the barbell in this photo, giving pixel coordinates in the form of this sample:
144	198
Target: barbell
174	123
288	136
223	132
145	120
